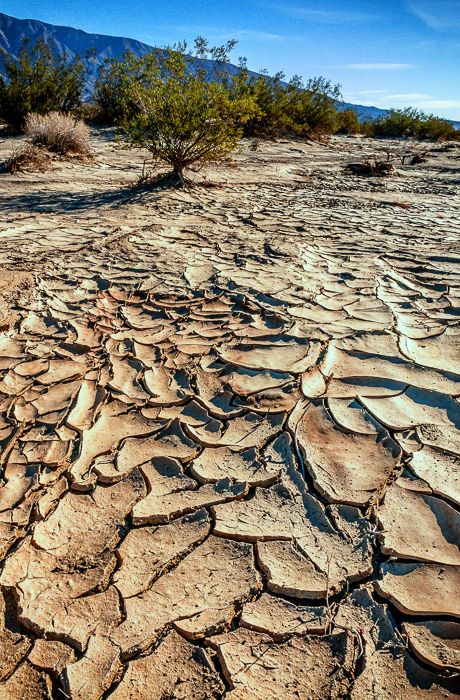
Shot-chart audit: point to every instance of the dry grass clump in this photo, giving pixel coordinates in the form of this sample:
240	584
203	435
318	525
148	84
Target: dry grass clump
58	133
27	156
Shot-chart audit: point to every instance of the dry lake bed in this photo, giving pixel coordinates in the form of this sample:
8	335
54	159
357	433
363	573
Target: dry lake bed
230	428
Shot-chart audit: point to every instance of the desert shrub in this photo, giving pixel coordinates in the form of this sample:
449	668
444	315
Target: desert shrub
398	122
431	127
26	157
413	123
184	115
111	96
58	133
313	106
292	109
40	81
347	122
271	114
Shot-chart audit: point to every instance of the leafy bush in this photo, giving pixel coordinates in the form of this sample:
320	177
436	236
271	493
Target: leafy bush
25	157
270	117
411	122
312	107
111	95
347	122
431	127
58	133
292	108
39	81
185	116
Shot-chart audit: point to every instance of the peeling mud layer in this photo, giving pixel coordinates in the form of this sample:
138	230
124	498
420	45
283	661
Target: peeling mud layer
230	429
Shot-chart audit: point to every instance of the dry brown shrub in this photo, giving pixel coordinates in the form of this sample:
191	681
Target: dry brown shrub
27	156
59	133
376	168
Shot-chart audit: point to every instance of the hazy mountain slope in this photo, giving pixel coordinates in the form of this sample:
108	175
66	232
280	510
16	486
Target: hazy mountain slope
66	39
73	41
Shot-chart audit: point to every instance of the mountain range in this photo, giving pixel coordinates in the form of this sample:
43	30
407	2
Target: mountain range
71	42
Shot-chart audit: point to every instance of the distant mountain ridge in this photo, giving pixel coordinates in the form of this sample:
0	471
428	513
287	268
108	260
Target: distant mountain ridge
71	42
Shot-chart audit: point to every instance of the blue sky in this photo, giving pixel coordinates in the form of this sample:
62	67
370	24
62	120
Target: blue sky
387	53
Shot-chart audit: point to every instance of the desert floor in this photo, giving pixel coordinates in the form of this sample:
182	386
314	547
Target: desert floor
230	428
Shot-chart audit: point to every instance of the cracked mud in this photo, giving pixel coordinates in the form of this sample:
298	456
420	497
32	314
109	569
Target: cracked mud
230	430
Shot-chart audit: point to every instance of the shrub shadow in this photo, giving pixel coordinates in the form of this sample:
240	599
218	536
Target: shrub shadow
65	202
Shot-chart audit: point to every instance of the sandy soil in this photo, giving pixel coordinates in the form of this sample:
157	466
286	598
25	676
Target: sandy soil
230	428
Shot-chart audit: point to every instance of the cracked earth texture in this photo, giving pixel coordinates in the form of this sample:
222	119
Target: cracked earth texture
230	429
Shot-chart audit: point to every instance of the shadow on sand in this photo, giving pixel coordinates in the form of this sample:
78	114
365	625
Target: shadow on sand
66	202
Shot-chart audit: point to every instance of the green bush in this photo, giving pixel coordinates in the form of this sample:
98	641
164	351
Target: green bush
272	107
111	97
293	109
313	110
184	115
270	97
40	81
411	123
348	123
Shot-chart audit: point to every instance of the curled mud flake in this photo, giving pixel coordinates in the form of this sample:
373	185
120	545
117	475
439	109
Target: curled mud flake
175	669
288	354
198	595
273	400
62	371
167	388
89	677
290	573
420	589
245	382
85	333
280	618
125	379
255	666
313	383
32	367
440	470
55	398
170	441
26	682
435	642
415	407
346	364
84	525
14	647
345	467
90	396
112	426
8	534
250	430
443	437
217	463
388	670
146	552
51	496
51	656
160	508
351	416
18	480
440	351
165	476
216	395
419	526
